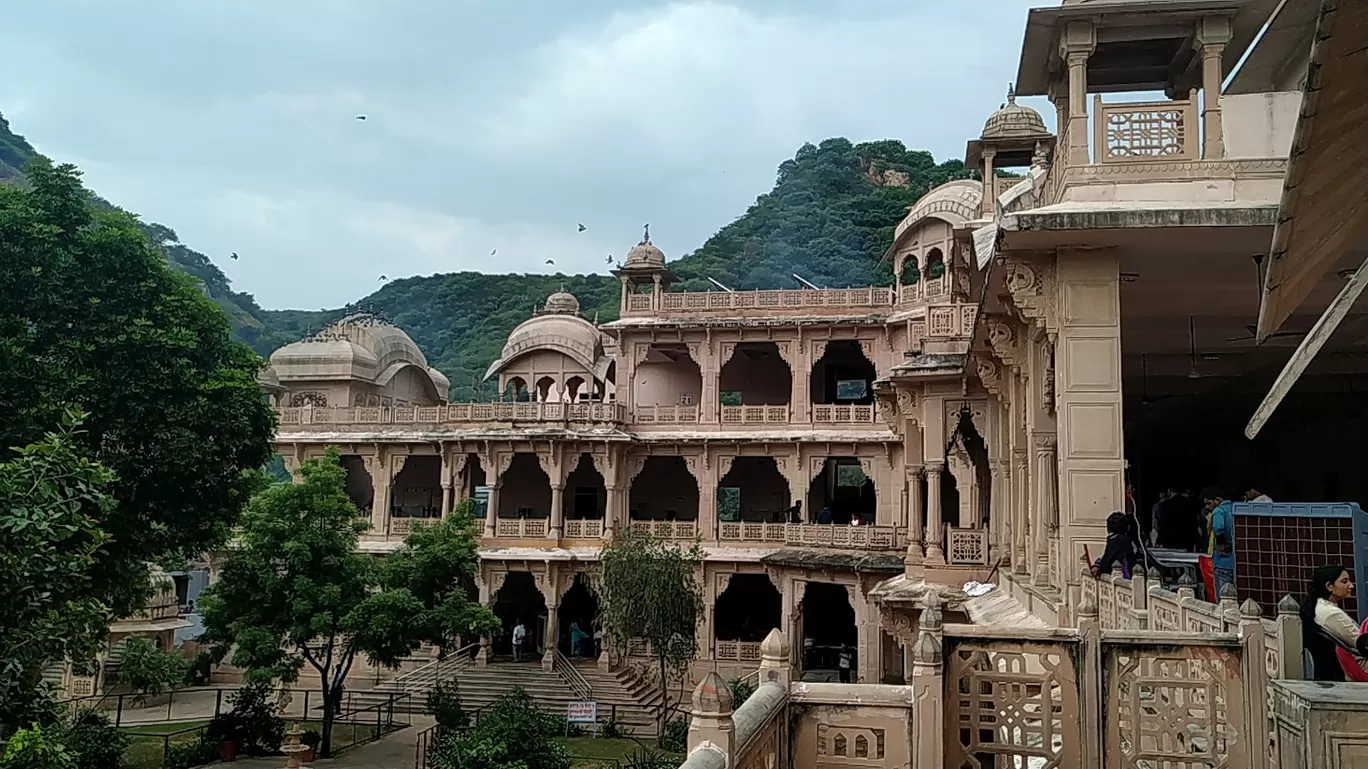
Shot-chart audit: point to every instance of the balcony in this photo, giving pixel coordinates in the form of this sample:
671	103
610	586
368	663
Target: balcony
664	415
583	529
812	535
843	415
333	417
755	415
667	529
827	301
521	528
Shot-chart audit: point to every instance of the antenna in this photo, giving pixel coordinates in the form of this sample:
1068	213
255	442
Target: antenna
806	283
719	285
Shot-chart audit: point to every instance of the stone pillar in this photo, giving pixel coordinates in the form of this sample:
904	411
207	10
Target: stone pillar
914	512
928	689
557	510
709	368
996	489
552	635
800	368
1075	46
1289	640
446	497
707	501
1213	33
866	636
711	724
1088	398
1021	483
612	504
1091	684
622	302
989	208
775	652
935	530
492	515
482	656
1046	509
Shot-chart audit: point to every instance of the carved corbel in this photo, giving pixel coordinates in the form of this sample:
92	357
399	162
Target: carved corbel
1047	389
1030	284
898	625
989	374
1004	339
724	465
887	404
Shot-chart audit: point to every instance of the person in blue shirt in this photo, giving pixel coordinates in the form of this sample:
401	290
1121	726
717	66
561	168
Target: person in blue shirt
1220	539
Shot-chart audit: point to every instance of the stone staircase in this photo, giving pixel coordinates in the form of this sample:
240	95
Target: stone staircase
633	702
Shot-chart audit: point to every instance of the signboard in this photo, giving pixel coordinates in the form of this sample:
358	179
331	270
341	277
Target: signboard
582	713
851	389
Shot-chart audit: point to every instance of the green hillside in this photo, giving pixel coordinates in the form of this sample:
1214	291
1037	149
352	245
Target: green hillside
829	217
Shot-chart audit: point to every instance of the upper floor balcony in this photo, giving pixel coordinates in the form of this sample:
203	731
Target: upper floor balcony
838	302
333	418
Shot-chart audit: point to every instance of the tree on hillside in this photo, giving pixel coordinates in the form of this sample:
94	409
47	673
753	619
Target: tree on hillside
92	318
294	590
52	499
649	591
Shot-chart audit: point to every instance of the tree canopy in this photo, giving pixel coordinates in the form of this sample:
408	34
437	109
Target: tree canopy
91	318
52	499
649	591
295	591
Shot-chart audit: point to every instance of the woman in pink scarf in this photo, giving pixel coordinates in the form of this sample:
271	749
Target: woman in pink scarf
1352	670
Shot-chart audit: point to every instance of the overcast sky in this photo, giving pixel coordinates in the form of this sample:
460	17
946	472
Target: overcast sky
500	124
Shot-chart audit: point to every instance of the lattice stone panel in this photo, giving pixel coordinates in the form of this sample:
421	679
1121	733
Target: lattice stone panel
967	547
1173	707
1012	703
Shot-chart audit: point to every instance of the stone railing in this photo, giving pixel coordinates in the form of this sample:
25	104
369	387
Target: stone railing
839	414
966	547
296	417
826	300
951	320
1146	131
1089	697
755	415
667	529
648	415
813	534
755	735
403	526
586	528
924	289
521	528
736	651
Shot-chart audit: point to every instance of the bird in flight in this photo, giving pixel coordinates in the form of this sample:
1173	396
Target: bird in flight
384	277
495	251
550	261
360	117
609	260
234	256
582	228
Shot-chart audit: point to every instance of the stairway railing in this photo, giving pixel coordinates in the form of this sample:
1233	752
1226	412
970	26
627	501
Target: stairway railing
572	677
457	660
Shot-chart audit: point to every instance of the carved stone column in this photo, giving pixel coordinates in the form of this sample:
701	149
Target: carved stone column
1022	516
928	688
1213	33
557	510
1075	47
914	510
492	514
935	530
1047	510
997	486
613	502
551	637
989	184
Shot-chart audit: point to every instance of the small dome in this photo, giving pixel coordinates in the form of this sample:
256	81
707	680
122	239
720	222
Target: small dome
645	254
1013	121
562	303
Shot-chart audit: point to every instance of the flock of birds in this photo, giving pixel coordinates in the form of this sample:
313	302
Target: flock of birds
383	278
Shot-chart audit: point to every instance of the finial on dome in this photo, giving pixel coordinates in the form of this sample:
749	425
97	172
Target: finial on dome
646	235
1011	93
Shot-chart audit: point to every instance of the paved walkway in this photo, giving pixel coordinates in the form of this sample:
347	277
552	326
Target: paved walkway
393	751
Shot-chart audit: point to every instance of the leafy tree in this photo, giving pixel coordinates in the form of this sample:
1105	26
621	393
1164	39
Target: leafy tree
92	741
514	734
294	590
92	318
146	670
649	591
52	499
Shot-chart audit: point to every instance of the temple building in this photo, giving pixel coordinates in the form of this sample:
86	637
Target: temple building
1074	326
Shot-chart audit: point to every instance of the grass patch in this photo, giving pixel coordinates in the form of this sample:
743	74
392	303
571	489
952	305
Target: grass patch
147	742
159	729
588	752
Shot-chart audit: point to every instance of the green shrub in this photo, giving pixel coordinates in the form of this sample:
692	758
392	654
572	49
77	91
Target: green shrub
675	736
444	705
34	748
92	741
260	727
147	670
186	755
741	690
514	733
613	730
311	737
645	758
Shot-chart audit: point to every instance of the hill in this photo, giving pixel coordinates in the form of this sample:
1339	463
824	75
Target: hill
829	217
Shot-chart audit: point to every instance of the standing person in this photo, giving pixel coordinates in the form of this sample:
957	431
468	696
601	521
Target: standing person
1220	539
598	641
824	515
1326	628
1158	531
519	635
844	662
576	639
795	513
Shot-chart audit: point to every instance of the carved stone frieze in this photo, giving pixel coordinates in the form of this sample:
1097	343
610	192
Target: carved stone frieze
898	624
1030	284
1047	389
988	374
1005	339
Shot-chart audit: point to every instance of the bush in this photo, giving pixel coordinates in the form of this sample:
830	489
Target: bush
33	748
444	705
675	736
147	670
741	690
253	721
616	731
190	754
311	737
645	758
513	733
201	668
92	741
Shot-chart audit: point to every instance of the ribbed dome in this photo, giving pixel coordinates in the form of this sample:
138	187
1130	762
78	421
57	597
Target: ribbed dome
1013	121
645	254
562	303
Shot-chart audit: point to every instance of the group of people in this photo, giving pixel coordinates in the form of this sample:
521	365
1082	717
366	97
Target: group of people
582	644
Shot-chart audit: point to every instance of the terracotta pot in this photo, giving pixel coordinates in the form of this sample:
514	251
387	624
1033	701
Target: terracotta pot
307	756
228	751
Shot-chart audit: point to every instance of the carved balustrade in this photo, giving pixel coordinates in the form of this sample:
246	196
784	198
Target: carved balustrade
647	415
813	534
1146	131
843	414
588	528
521	528
736	651
966	547
334	417
755	415
676	303
667	529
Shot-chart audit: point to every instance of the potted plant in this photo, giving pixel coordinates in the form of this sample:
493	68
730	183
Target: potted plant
311	739
225	730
